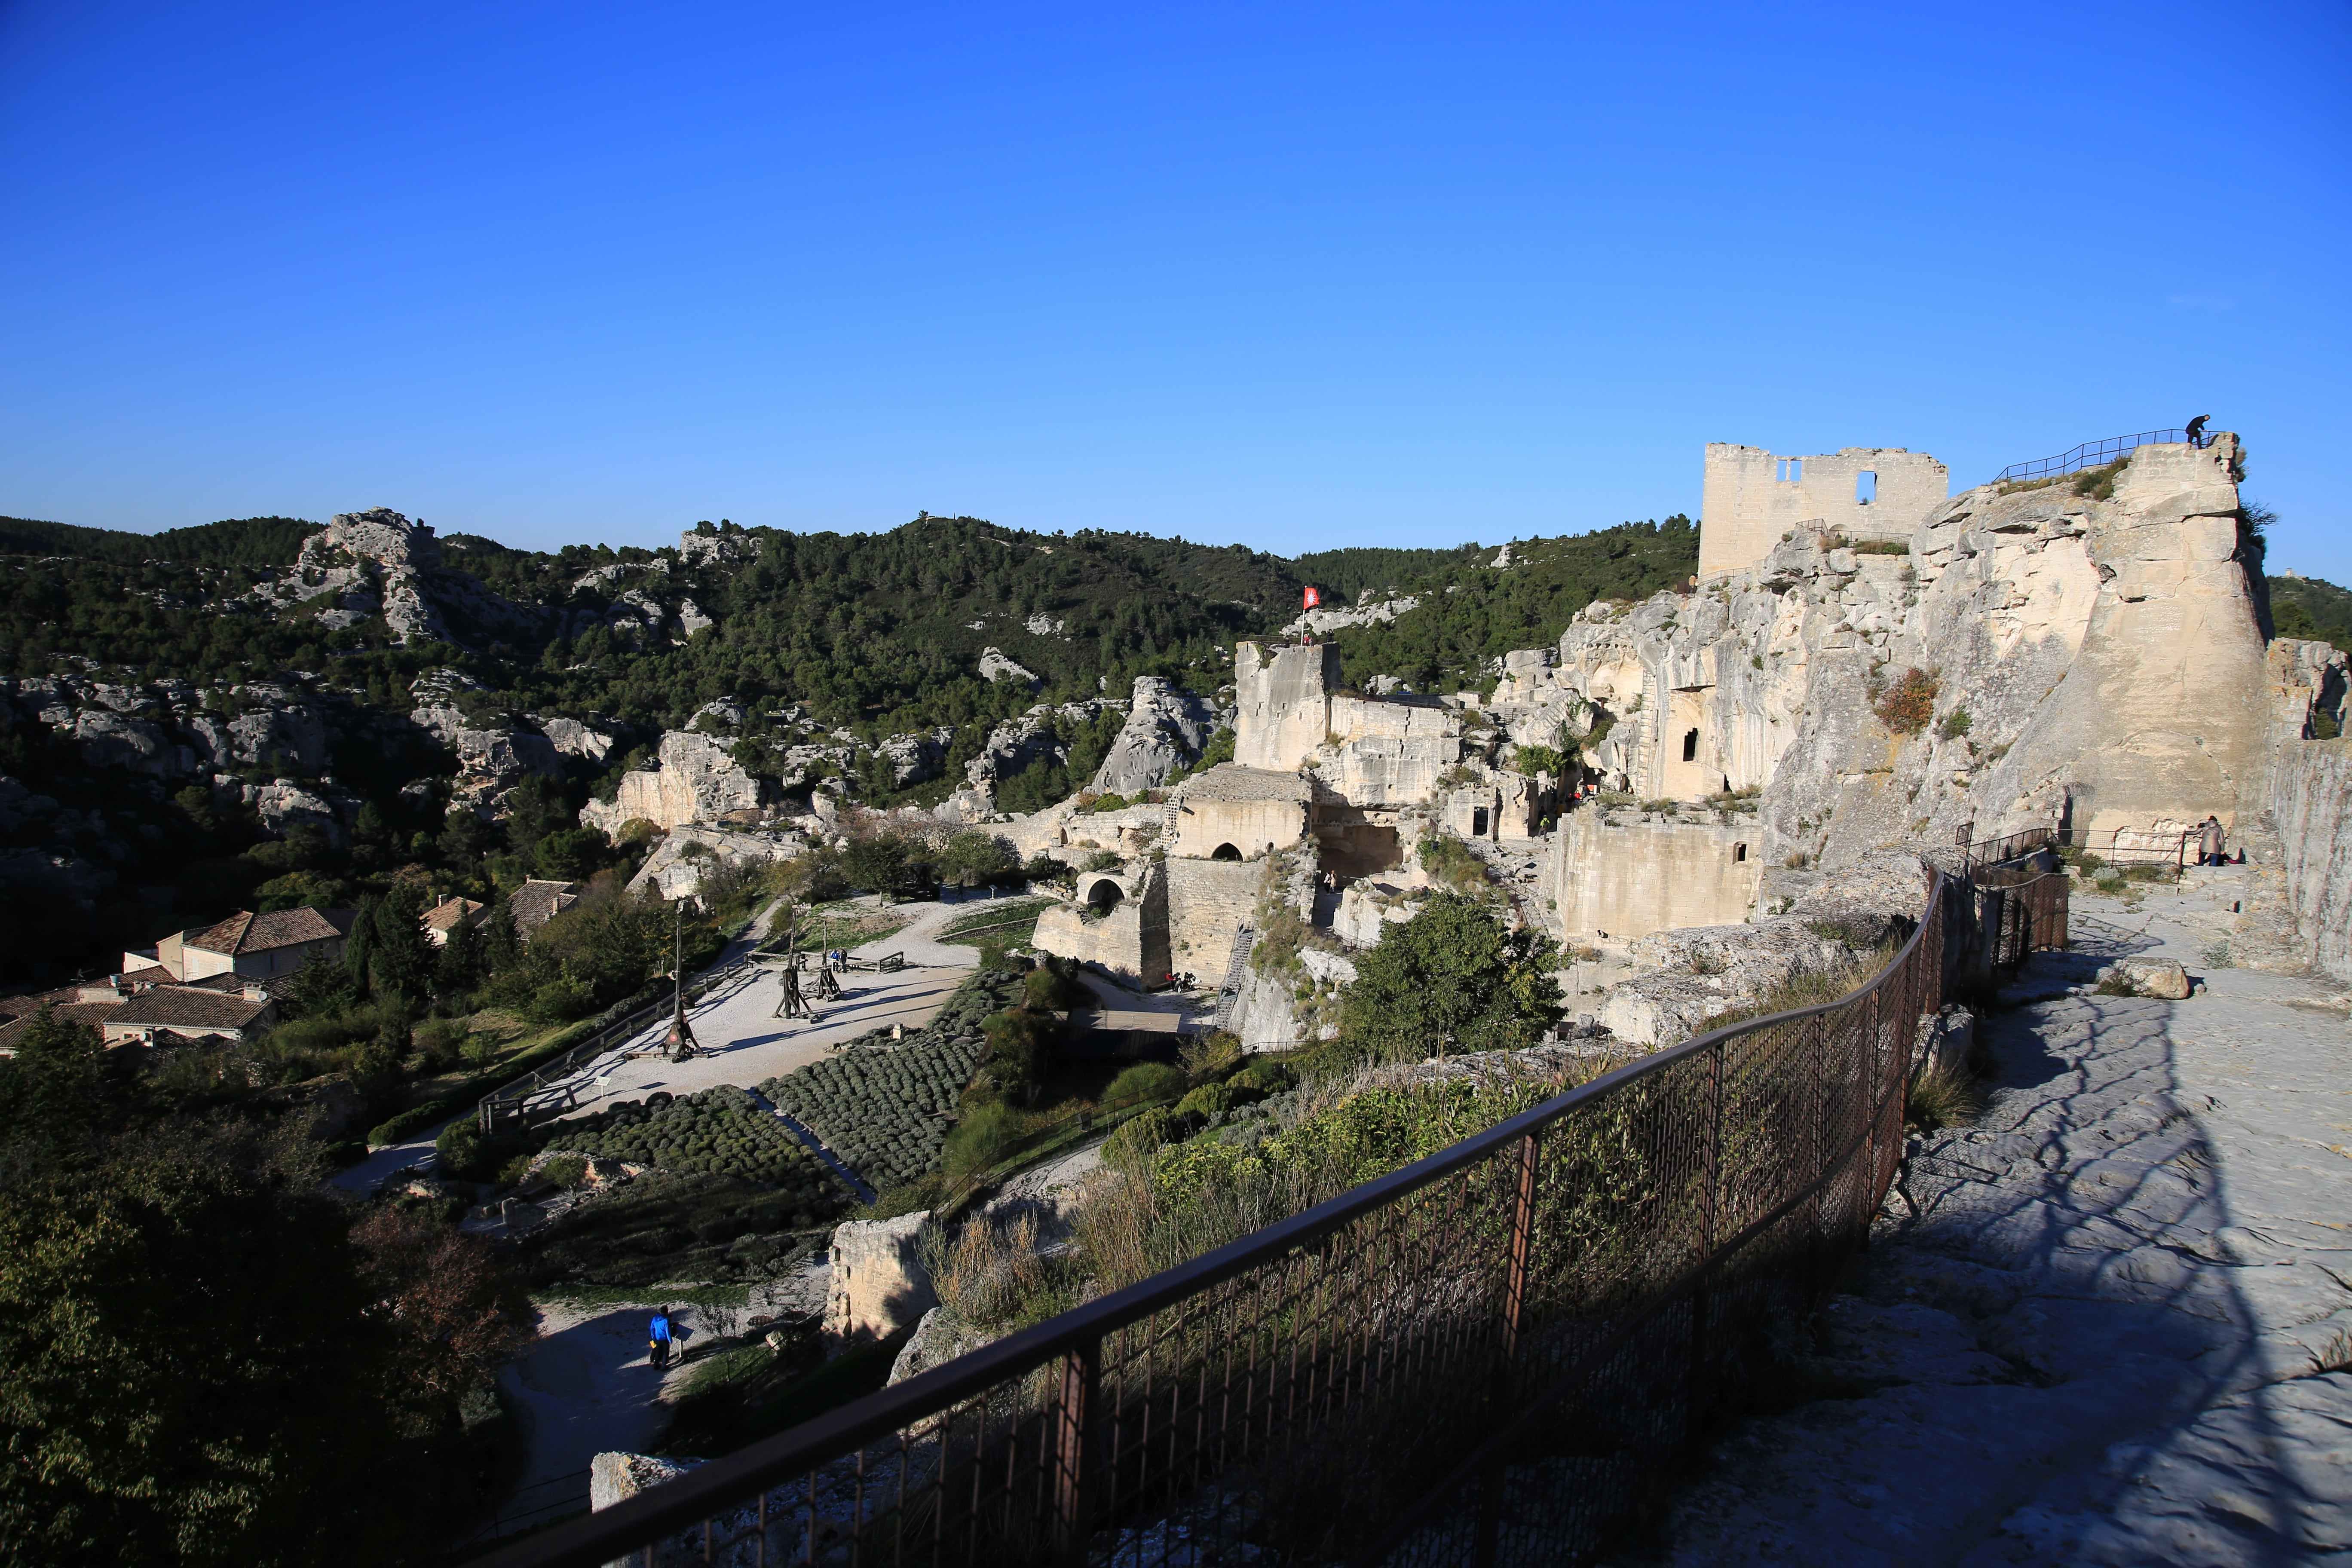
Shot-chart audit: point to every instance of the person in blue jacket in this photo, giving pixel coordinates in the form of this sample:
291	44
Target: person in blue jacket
658	1342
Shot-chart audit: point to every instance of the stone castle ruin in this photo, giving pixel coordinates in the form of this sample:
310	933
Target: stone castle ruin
2087	657
1750	498
1864	666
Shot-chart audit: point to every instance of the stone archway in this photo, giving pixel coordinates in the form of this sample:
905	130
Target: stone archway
1104	896
1226	852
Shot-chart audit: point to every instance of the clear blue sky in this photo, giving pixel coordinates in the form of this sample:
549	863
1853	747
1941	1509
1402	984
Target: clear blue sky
1301	277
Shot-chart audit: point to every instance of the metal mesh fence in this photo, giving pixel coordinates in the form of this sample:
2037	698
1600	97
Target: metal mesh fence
1487	1357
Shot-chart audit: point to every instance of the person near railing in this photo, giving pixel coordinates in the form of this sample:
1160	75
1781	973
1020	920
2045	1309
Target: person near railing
2209	843
2196	431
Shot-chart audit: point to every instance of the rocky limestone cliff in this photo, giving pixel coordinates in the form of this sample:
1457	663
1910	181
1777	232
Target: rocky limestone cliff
2091	658
695	779
1165	730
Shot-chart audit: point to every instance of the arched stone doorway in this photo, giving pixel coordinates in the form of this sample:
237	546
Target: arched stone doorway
1226	852
1104	896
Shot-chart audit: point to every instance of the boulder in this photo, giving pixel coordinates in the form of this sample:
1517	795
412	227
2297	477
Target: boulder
2162	978
938	1338
616	1478
994	666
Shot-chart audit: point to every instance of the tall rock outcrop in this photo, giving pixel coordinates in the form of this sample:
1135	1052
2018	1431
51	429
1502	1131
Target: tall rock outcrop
1166	728
697	779
2089	654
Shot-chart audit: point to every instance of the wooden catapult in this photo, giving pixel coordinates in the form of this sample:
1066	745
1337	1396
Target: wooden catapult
799	1001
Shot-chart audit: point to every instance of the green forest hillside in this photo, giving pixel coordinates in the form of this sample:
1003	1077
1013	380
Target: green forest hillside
880	632
2312	607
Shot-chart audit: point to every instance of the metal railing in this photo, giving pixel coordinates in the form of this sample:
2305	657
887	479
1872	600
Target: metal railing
1977	858
2089	455
1484	1357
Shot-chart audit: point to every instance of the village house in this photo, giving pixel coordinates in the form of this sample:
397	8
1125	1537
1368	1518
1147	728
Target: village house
444	920
252	946
538	901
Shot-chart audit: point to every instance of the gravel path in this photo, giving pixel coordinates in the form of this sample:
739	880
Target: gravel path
2115	1329
743	1041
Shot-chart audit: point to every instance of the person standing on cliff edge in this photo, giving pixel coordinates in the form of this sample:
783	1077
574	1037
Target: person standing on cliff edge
2197	430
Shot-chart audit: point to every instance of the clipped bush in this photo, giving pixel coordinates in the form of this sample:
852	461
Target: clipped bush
1261	1077
1144	1080
1208	1101
1135	1144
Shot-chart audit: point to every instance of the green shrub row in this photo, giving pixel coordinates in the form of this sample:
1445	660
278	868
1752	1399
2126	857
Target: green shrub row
886	1106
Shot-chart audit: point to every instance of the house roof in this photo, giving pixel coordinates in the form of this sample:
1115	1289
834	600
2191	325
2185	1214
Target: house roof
246	931
537	901
91	1013
187	1007
32	1002
445	915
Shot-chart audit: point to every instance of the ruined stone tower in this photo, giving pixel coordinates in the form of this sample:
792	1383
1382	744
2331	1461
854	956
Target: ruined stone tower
1751	498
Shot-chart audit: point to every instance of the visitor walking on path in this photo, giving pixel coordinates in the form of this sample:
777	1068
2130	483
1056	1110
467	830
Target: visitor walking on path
2210	842
658	1342
2197	430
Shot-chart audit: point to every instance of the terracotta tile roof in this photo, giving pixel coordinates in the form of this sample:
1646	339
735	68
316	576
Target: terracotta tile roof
30	1003
226	984
444	915
537	901
187	1007
246	931
90	1012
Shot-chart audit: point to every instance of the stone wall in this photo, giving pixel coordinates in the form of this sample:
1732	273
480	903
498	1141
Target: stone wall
880	1283
1130	941
1208	900
1247	811
1614	884
2311	801
1750	498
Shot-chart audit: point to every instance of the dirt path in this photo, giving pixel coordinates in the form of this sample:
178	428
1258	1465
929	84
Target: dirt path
2115	1329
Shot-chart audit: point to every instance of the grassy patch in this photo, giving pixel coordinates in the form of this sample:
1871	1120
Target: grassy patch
660	1231
846	926
453	1093
752	1393
1944	1096
649	1297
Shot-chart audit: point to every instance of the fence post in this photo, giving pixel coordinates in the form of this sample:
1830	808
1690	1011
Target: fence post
1074	1478
1519	1264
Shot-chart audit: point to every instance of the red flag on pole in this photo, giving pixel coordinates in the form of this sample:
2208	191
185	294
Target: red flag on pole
1313	598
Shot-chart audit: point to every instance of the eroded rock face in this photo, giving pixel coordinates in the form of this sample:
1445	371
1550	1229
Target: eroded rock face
1165	730
697	781
2092	660
994	666
1695	973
